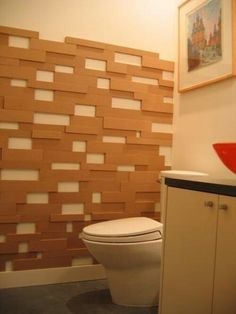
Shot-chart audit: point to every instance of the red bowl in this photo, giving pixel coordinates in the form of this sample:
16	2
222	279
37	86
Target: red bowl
227	154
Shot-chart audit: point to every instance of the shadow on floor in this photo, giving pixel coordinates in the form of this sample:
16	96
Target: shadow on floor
88	297
99	302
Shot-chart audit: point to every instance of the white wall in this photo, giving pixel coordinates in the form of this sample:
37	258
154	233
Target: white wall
143	24
202	117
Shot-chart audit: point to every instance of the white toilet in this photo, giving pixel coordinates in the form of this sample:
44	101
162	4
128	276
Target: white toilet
130	251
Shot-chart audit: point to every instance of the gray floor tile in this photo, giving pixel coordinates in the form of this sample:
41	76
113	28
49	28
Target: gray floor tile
89	297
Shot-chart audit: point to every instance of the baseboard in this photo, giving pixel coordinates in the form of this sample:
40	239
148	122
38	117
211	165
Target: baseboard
24	278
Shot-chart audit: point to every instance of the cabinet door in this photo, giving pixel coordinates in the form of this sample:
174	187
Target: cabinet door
224	301
188	252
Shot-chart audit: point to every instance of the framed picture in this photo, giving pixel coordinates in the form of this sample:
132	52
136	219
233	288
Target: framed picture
206	42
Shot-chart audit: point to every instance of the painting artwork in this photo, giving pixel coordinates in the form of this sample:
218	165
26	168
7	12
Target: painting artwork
204	27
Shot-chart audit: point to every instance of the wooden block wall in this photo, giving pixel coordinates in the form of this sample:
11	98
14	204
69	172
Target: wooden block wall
79	142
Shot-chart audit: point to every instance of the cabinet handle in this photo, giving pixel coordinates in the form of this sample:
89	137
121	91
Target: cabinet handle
208	204
223	206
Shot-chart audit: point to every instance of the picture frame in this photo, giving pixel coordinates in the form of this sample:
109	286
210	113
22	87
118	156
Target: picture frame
206	42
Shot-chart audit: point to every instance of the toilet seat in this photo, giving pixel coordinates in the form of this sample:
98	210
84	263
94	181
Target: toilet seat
126	230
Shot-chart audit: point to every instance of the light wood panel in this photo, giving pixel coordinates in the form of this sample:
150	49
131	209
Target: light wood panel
122	174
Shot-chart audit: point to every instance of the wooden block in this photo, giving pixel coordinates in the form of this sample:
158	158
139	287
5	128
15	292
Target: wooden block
119	197
9	219
65	175
32	218
7	228
153	215
144	72
18	32
46	226
144	176
126	85
84	42
151	62
8	90
119	133
34	263
54	107
110	47
109	175
22	154
44	134
116	67
131	159
82	99
166	83
73	79
107	111
147	206
79	87
44	127
47	245
102	175
16	116
16	197
50	185
9	61
66	218
155	107
159	137
22	53
3	39
70	197
1	101
3	143
38	209
99	186
16	72
107	207
53	46
131	51
110	216
95	54
84	125
75	242
100	147
126	124
154	98
23	237
161	90
23	103
5	164
101	167
150	141
60	59
52	144
142	141
60	156
16	133
147	196
135	149
72	251
8	208
141	187
9	247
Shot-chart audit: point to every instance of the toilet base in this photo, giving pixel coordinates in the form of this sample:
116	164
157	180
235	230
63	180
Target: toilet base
137	287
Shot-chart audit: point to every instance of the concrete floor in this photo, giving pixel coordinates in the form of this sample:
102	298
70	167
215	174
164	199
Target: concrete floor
88	297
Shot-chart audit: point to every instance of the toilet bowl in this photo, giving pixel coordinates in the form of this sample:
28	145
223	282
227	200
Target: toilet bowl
130	251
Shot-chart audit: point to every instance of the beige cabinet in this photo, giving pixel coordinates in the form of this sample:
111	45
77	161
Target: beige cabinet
199	253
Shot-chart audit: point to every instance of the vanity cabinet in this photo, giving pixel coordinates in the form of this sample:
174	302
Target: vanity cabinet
199	253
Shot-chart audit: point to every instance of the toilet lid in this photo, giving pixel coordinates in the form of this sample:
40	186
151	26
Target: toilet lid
134	229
